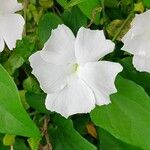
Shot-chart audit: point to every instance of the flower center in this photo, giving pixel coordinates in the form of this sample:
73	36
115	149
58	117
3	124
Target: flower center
75	68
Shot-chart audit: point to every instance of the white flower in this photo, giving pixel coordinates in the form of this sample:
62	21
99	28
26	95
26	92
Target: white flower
137	41
11	24
69	72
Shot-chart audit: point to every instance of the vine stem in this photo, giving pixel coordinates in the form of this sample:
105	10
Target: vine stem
11	147
103	11
45	131
122	26
25	15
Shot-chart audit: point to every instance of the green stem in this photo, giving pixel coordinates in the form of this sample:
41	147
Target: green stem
122	26
25	15
104	15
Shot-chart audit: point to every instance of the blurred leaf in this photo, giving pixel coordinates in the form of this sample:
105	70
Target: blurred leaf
92	9
9	139
23	99
114	26
112	3
65	137
74	2
138	7
128	116
126	6
146	3
37	101
20	54
46	3
13	118
14	62
31	85
19	143
129	72
63	3
24	48
80	122
107	140
4	147
33	142
48	22
74	19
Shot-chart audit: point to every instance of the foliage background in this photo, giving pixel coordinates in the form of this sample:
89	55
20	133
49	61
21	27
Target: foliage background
122	125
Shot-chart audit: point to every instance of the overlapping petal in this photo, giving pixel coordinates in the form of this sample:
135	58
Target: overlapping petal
9	6
59	49
138	45
100	77
139	25
91	45
136	41
11	28
142	62
52	77
75	98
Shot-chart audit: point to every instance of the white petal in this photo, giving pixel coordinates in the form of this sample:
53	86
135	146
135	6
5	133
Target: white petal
136	41
52	78
59	49
138	45
91	45
139	32
75	98
9	6
11	28
141	63
100	76
2	44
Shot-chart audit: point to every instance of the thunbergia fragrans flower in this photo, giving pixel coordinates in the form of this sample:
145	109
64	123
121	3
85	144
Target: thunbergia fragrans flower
137	41
11	24
69	71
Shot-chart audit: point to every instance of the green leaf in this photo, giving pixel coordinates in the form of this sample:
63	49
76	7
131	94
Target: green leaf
126	6
107	140
146	3
114	27
139	7
80	123
74	19
9	139
13	117
46	3
19	143
63	3
37	101
128	116
31	85
112	4
48	22
74	2
92	9
129	72
20	54
24	48
33	142
23	99
65	137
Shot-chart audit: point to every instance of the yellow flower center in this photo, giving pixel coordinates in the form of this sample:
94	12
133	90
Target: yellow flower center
75	68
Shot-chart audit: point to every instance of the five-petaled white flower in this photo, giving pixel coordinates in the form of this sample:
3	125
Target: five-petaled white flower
137	41
11	24
69	71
